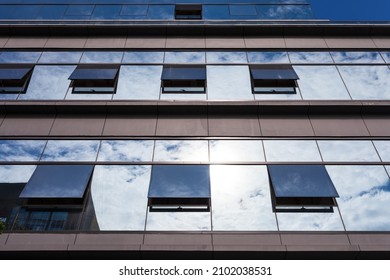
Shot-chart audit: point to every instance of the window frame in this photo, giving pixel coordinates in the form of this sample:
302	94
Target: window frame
179	85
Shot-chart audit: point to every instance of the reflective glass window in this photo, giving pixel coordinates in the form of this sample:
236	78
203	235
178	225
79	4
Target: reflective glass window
236	151
60	57
242	10
348	151
226	57
364	196
229	83
268	57
241	198
310	221
119	198
126	150
102	57
94	79
321	82
79	10
367	82
310	57
216	12
58	181
19	11
14	78
185	150
386	56
183	79
134	10
16	173
181	221
179	188
21	150
267	79
51	12
139	82
143	57
383	148
357	57
19	57
48	82
270	12
161	12
70	150
291	150
106	12
297	12
185	57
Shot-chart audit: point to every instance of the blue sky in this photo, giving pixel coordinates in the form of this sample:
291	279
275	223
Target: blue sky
351	9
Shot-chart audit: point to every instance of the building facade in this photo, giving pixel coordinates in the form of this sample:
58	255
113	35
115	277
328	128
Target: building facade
192	129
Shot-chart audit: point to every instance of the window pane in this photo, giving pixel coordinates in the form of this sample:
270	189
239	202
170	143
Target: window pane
297	12
226	57
14	72
235	150
126	150
321	82
229	83
357	57
216	11
273	72
310	221
186	150
185	57
386	56
197	221
51	12
241	198
70	150
16	173
291	150
119	195
134	10
79	10
383	148
139	82
348	151
268	57
161	12
310	57
367	82
58	181
180	181
270	12
181	72
60	57
242	10
301	181
21	150
48	82
19	57
94	73
143	57
106	12
364	196
102	57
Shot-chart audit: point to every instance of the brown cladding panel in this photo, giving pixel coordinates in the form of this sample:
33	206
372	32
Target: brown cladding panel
305	42
78	125
85	239
188	125
130	125
382	42
234	125
145	42
315	239
350	42
378	125
224	42
246	239
178	239
288	125
369	239
40	239
27	125
264	42
186	42
342	125
66	42
3	41
96	42
26	42
327	252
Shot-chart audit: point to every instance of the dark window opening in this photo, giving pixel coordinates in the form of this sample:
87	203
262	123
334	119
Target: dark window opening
188	12
94	79
15	79
183	79
179	188
280	79
301	188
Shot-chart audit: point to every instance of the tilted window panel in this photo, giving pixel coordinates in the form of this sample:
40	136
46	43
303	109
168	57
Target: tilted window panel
183	79
14	79
179	188
306	188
